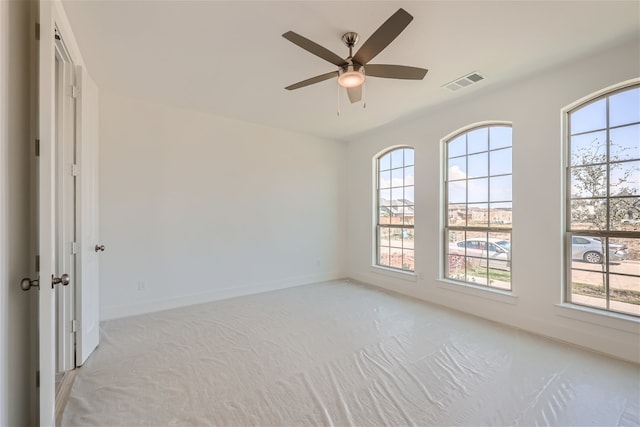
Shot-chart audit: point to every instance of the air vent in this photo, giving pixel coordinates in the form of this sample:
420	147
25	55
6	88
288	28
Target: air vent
465	81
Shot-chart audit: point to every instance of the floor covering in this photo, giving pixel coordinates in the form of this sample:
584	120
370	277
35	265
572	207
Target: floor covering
338	354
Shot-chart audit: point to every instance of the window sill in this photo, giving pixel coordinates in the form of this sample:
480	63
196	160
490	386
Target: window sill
396	274
492	294
602	318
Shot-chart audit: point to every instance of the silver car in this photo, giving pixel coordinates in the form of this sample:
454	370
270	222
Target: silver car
589	249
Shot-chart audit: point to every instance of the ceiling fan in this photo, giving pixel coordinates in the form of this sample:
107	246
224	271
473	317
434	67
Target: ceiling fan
351	70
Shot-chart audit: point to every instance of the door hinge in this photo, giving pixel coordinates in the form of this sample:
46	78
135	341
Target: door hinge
37	379
75	91
73	326
74	248
75	170
37	31
56	35
37	263
37	148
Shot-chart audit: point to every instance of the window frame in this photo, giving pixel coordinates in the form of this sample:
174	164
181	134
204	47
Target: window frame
569	232
377	224
488	229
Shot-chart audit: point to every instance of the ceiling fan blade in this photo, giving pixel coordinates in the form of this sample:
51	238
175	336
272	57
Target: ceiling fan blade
385	34
395	71
314	48
312	80
354	93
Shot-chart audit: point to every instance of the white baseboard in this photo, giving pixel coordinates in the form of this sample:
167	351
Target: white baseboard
126	310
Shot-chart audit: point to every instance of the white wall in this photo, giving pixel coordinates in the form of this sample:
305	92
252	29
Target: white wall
197	207
533	106
17	372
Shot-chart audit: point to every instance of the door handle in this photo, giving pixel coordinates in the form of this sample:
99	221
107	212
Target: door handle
62	280
99	248
26	284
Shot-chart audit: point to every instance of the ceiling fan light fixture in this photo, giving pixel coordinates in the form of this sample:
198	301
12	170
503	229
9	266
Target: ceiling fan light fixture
350	77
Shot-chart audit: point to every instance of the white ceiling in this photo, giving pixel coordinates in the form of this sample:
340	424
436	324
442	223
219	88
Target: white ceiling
228	57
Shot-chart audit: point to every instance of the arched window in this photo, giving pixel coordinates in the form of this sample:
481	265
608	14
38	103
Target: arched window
395	209
603	202
478	207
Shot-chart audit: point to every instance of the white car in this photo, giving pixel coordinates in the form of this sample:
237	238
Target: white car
496	251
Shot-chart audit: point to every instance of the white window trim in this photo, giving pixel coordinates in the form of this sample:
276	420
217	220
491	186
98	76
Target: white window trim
564	308
443	281
375	267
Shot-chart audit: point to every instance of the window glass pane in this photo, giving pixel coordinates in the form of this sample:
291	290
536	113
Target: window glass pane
625	143
457	168
624	178
589	148
588	288
500	161
457	192
395	239
457	215
396	258
384	198
397	177
587	252
624	294
624	256
397	194
500	214
590	117
501	188
478	165
397	159
457	147
589	181
624	107
589	214
478	190
385	162
500	136
408	260
385	179
383	236
624	214
454	237
456	267
383	258
409	217
384	217
478	215
407	238
408	157
478	140
408	195
408	176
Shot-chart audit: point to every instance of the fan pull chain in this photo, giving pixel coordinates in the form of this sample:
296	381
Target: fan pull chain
364	93
338	111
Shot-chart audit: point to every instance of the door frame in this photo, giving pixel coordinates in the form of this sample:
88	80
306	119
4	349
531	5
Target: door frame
66	143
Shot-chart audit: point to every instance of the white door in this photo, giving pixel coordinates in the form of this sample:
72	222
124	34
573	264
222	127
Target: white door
88	273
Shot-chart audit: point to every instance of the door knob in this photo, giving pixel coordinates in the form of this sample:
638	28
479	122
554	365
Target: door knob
26	284
62	280
99	248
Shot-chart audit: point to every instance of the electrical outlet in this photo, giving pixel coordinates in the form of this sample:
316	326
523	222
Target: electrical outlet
142	285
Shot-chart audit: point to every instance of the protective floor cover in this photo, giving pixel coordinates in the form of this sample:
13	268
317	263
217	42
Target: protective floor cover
339	353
